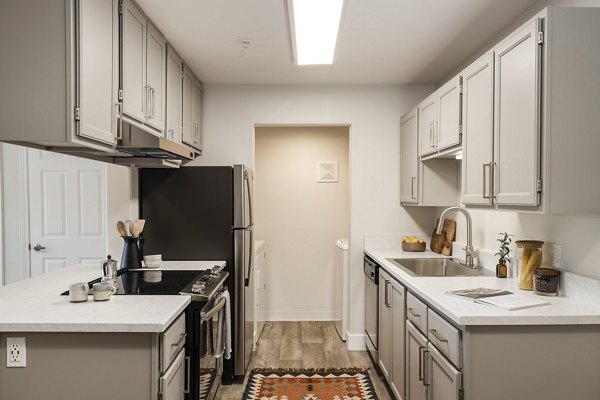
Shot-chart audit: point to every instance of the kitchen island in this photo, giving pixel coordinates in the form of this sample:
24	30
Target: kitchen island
476	351
90	349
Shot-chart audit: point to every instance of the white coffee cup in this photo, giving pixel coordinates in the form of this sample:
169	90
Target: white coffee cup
78	292
103	291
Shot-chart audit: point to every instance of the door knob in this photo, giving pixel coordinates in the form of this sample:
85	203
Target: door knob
38	247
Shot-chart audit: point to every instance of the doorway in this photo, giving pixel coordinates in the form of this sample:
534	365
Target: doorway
53	211
302	195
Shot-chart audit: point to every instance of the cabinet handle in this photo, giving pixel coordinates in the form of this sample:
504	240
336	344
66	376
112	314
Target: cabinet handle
492	171
182	336
412	187
170	134
439	337
485	180
411	311
425	369
431	134
188	373
146	101
120	116
387	303
421	373
152	101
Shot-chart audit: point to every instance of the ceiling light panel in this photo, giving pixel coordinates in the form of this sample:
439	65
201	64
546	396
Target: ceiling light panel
315	25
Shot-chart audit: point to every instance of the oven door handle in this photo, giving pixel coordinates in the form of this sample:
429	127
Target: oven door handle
206	316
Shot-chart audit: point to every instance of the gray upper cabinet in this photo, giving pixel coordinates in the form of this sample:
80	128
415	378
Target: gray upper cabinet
409	162
448	114
144	71
478	131
192	110
427	114
174	122
517	117
61	91
135	100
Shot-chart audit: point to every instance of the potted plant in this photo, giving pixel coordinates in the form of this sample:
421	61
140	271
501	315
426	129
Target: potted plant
503	252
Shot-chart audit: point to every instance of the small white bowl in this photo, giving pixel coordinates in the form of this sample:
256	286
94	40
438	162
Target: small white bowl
152	263
153	257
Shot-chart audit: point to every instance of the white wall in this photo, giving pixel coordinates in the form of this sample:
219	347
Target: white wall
299	218
121	203
373	113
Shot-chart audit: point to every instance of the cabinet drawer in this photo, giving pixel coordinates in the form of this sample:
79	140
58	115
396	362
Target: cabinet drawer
445	337
171	342
416	312
172	382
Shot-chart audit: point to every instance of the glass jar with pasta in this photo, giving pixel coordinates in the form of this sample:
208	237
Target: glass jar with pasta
529	257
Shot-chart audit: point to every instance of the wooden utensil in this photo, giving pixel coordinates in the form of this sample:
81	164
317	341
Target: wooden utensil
121	228
442	243
137	227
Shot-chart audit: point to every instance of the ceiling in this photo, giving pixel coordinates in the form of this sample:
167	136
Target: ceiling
380	41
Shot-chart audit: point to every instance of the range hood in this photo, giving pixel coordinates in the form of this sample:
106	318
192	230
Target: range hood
140	143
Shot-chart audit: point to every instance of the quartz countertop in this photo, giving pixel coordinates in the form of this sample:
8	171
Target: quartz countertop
36	304
577	303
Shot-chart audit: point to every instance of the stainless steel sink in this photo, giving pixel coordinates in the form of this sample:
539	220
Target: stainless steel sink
437	267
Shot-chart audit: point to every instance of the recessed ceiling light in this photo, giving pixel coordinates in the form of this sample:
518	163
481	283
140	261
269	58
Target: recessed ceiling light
314	26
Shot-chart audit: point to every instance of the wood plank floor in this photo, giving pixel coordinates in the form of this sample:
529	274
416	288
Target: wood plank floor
304	345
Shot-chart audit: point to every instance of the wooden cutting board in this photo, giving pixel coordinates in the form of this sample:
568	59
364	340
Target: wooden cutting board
442	243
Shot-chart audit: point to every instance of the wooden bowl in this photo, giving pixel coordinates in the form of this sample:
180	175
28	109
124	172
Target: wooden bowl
413	246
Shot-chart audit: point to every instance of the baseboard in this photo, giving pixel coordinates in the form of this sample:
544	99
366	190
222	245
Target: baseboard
297	316
355	341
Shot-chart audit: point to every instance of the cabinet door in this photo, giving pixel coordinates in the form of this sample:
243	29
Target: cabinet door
409	160
447	132
188	90
385	324
156	76
416	348
398	340
444	380
174	123
427	111
97	69
135	93
478	130
172	383
197	115
517	112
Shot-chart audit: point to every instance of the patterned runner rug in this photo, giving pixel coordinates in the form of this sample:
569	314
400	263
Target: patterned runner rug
349	384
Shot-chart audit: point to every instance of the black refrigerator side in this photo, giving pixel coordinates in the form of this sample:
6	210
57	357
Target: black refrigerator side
189	216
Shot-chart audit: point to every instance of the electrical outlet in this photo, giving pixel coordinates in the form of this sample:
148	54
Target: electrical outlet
16	354
557	255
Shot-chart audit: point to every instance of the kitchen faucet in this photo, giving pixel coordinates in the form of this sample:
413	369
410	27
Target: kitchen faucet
469	249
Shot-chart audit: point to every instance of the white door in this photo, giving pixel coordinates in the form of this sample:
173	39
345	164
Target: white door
517	111
67	217
156	53
427	120
448	117
478	130
409	159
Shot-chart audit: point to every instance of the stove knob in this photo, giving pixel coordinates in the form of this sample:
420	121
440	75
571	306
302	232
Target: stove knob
198	287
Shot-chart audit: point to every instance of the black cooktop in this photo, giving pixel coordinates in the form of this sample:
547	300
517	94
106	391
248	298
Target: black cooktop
153	282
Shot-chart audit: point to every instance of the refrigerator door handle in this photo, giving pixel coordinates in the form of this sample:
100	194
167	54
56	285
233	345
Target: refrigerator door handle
250	258
247	179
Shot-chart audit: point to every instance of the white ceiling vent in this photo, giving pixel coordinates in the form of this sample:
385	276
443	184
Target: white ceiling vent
327	171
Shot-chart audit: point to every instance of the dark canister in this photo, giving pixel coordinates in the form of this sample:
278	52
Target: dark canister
545	281
132	254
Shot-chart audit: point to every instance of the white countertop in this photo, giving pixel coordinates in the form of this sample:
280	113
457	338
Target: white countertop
35	305
581	305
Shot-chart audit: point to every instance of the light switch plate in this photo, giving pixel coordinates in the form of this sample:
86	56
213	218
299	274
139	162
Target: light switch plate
556	255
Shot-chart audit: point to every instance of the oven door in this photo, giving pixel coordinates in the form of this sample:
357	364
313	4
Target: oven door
209	368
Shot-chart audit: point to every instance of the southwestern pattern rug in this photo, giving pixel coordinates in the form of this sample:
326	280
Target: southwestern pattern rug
348	384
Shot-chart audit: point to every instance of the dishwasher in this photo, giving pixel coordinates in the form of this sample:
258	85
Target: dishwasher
371	270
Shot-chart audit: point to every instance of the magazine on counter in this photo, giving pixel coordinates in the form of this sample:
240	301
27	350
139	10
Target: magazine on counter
499	298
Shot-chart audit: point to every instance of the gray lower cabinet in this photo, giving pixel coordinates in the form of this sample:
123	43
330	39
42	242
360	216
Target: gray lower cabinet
443	380
172	383
416	346
391	332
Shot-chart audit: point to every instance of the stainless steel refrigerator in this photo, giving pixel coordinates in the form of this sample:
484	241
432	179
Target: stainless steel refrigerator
205	213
